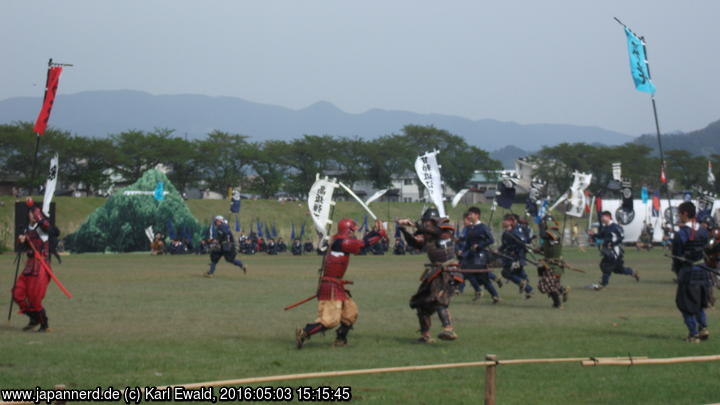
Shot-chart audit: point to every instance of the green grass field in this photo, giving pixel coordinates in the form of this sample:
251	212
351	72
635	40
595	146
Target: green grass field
142	320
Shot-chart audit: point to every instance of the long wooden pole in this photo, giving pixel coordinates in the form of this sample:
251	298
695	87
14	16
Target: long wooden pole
321	374
49	271
634	361
491	361
302	376
12	291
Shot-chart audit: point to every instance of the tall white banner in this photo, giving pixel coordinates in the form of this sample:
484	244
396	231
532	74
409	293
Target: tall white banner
617	171
576	195
428	171
50	185
320	203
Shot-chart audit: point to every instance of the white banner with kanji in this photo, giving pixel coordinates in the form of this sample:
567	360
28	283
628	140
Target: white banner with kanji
428	171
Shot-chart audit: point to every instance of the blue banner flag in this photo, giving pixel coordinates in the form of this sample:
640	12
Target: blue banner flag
292	231
160	191
542	211
302	230
644	195
274	231
259	228
268	234
237	224
638	62
398	233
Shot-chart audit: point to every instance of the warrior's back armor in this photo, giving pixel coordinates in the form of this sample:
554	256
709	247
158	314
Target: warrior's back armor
694	244
551	247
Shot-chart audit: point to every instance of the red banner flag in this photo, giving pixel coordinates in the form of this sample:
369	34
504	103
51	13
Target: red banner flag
52	84
655	203
598	204
663	179
587	202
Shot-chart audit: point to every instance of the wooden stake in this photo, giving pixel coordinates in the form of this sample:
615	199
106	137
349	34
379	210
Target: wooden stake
60	387
490	379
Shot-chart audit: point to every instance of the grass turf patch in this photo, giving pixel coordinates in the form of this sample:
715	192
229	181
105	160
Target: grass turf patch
142	320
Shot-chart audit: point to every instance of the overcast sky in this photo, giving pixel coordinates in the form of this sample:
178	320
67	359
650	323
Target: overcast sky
525	61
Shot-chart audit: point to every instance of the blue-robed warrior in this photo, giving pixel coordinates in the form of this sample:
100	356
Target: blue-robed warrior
222	244
611	249
694	286
475	240
515	240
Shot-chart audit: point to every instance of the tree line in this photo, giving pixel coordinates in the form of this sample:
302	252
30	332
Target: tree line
221	159
640	165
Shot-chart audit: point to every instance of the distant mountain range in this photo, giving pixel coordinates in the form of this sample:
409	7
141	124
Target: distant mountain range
98	113
507	155
704	141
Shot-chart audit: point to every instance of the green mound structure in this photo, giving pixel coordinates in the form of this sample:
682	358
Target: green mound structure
119	224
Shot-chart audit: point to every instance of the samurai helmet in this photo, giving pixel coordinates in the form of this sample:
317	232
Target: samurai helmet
431	214
346	226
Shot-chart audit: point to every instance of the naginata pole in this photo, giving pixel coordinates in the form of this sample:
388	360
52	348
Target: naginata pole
562	234
17	270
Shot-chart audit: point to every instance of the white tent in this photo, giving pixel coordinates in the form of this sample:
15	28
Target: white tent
643	212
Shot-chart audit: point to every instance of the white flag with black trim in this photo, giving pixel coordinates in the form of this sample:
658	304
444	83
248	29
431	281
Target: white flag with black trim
320	203
428	171
50	185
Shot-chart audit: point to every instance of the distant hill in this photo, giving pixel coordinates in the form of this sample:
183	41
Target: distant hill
98	113
704	141
508	155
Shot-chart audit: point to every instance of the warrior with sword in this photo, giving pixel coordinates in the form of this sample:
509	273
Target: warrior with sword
441	276
335	304
30	287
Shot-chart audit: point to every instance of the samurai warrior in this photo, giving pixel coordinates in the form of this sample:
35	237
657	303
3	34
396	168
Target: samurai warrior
335	304
441	276
515	240
30	287
693	289
611	237
551	266
475	240
222	244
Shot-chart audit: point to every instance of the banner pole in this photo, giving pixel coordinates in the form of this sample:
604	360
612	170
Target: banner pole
34	164
37	139
662	159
